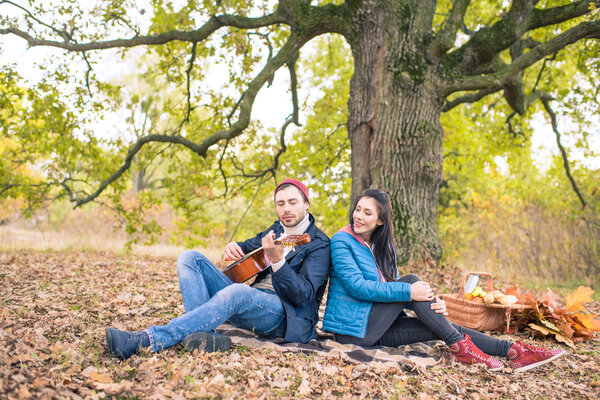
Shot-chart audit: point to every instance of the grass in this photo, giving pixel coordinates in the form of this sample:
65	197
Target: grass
31	238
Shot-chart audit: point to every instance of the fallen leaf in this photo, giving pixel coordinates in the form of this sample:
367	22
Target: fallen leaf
304	388
514	290
549	298
566	328
100	378
86	372
216	385
173	382
550	325
24	392
562	338
588	321
113	388
330	370
528	299
581	295
559	336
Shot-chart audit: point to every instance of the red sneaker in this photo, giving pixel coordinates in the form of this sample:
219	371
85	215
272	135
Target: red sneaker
523	356
465	351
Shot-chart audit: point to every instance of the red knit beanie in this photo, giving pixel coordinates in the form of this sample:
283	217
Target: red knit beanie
301	186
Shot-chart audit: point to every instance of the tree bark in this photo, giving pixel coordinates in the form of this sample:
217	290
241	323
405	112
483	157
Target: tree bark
394	119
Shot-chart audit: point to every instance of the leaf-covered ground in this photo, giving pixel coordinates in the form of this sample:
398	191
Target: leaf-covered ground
55	307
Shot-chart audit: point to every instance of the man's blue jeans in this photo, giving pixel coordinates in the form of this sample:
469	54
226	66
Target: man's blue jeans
211	298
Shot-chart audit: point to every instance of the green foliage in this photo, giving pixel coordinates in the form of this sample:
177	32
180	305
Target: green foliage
500	209
43	144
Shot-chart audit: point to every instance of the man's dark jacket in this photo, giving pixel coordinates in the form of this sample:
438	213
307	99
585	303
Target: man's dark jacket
300	282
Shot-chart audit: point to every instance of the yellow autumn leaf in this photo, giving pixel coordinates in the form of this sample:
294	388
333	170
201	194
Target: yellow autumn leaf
589	321
565	340
574	300
541	329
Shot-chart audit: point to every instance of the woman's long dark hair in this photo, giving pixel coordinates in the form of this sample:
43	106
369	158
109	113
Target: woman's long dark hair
383	237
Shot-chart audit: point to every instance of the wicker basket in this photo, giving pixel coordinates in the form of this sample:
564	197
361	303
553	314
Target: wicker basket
478	316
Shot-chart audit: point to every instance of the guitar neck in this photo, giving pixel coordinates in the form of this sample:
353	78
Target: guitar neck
280	240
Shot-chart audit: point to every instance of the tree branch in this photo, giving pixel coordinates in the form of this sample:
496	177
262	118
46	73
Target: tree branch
551	16
293	118
581	31
223	174
445	39
188	74
487	42
513	90
270	55
469	98
288	52
546	102
283	147
522	17
126	23
62	33
197	35
87	73
539	77
511	130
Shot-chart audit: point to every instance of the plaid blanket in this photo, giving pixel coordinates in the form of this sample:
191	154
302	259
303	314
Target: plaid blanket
409	357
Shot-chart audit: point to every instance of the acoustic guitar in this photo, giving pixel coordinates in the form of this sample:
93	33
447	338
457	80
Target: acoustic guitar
255	261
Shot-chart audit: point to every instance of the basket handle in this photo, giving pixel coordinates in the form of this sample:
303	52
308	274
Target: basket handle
461	292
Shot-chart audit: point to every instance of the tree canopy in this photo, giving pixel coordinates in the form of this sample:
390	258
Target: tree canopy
381	93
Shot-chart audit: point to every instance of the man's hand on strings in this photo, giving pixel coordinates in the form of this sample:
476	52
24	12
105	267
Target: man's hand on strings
233	252
272	250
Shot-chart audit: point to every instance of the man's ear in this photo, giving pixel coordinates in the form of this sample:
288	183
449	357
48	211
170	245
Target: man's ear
306	204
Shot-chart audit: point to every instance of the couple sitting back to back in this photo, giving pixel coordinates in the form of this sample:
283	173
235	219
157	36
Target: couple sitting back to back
366	299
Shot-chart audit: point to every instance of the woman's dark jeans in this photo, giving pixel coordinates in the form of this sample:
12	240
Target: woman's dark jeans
389	326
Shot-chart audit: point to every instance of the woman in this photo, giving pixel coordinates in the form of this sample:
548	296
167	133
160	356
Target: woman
366	297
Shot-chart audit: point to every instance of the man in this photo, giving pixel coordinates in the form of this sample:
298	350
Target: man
282	302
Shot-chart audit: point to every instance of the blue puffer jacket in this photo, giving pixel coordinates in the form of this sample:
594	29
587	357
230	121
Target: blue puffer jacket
355	284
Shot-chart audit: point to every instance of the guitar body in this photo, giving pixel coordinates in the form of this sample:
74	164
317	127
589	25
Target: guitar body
254	262
246	267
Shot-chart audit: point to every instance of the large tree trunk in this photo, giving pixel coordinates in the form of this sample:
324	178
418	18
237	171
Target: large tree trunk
394	119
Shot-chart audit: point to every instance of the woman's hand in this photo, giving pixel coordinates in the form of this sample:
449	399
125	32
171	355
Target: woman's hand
439	306
420	291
